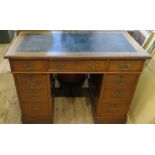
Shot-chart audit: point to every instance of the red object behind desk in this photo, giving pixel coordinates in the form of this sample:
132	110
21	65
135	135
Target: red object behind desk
71	78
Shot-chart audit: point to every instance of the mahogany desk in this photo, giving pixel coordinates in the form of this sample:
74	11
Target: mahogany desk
112	58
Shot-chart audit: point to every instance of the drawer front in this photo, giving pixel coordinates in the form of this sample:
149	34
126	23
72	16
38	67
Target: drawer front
113	109
77	65
28	65
34	95
117	95
30	81
36	108
107	119
37	120
125	65
120	81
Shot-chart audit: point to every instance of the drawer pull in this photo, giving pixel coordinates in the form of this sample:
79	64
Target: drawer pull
119	82
32	82
28	65
116	94
124	66
59	65
113	109
93	66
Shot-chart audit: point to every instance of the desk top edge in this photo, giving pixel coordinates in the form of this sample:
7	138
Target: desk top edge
140	53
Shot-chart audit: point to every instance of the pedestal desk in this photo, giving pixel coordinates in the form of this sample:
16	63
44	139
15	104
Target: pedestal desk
113	60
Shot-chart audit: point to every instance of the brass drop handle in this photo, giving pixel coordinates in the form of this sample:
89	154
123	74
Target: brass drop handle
32	82
93	66
119	82
113	109
125	66
116	94
28	65
60	65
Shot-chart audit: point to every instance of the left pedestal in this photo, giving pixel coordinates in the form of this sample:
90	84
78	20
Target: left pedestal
34	97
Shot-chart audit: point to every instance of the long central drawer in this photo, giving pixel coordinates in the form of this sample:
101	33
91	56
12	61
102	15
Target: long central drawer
77	65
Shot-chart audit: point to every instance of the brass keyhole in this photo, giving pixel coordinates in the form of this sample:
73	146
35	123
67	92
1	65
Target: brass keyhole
59	65
93	66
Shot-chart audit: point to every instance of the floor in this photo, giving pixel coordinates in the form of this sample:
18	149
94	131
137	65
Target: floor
74	110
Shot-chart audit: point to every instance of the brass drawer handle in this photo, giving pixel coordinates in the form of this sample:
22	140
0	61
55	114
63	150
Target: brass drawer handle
60	65
125	66
113	109
119	82
32	82
116	94
93	66
28	65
